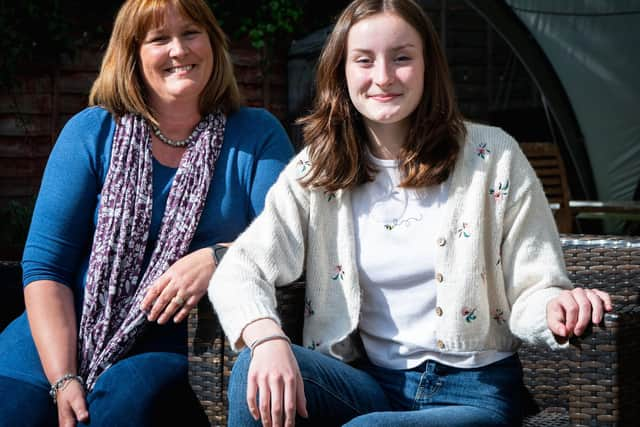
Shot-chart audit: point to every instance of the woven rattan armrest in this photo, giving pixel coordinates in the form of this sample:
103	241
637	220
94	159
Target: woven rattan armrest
594	382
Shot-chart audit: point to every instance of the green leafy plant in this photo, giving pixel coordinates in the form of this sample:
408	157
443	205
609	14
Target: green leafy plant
263	22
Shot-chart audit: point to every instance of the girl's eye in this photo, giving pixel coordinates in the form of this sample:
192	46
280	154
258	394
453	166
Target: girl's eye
363	60
402	58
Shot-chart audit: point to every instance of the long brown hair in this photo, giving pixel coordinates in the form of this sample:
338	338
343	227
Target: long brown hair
334	131
120	88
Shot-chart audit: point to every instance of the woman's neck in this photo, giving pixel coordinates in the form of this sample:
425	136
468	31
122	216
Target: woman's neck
177	121
386	140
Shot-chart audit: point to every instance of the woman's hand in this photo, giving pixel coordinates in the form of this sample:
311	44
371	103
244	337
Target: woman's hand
274	376
72	406
570	312
180	288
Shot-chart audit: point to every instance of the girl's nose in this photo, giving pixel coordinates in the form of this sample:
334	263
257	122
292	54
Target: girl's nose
383	74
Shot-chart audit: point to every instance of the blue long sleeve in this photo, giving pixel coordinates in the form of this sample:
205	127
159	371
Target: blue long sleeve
62	224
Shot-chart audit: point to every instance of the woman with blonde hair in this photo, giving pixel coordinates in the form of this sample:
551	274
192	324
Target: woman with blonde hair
165	164
427	243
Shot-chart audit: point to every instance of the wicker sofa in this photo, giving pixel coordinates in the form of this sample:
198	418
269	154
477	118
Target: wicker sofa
594	383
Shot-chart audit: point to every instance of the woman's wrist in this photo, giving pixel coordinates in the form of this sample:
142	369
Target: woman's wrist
217	251
61	383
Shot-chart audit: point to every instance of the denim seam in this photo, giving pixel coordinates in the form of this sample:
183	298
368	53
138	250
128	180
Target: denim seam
334	395
419	390
421	394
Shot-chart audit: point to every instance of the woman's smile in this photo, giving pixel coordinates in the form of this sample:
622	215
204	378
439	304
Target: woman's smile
176	60
180	69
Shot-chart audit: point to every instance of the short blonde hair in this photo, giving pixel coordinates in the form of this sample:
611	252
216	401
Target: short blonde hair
120	87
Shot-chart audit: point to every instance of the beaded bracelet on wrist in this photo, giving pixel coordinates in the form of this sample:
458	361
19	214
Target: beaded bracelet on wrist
61	383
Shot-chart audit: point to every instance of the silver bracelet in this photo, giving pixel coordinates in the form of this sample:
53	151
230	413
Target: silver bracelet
263	340
61	383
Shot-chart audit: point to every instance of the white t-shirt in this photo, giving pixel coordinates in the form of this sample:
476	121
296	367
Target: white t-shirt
395	231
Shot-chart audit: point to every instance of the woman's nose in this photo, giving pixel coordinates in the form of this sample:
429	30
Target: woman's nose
178	47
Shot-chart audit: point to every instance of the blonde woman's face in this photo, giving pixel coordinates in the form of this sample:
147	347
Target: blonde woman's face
384	69
176	60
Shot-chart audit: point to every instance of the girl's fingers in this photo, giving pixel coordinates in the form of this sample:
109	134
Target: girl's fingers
264	404
583	315
252	396
276	390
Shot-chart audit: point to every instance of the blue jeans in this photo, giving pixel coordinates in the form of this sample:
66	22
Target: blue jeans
431	394
149	389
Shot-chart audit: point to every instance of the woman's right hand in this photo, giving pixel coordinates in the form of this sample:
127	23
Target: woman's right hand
72	406
273	378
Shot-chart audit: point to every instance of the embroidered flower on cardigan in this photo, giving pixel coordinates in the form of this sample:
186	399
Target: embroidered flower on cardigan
308	308
339	273
330	195
482	151
498	316
501	192
469	314
314	345
463	230
303	166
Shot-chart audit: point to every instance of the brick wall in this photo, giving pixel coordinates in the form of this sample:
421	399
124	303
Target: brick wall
38	105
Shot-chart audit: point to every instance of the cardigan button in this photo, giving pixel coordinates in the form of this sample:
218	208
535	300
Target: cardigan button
440	345
439	277
439	311
442	241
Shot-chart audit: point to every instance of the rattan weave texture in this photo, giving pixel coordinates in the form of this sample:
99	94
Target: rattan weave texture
594	383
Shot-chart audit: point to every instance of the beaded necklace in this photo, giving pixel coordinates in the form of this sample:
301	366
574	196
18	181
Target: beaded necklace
182	142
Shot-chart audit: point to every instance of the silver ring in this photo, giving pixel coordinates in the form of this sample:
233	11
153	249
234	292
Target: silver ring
178	300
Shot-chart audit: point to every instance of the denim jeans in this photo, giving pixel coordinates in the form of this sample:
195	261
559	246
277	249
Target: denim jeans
431	394
149	389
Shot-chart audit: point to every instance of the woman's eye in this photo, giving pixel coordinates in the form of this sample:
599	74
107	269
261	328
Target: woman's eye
403	58
363	60
157	39
191	33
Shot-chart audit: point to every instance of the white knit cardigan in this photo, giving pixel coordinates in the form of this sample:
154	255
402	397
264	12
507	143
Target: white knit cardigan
498	257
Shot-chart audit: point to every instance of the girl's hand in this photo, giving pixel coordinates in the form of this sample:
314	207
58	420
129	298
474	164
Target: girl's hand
274	376
179	288
570	312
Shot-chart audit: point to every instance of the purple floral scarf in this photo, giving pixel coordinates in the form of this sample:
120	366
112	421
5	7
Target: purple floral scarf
111	317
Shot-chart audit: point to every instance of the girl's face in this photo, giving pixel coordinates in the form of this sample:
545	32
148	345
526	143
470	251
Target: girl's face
384	69
176	60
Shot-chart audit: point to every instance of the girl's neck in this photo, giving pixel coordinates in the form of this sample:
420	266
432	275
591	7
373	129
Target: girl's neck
386	140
